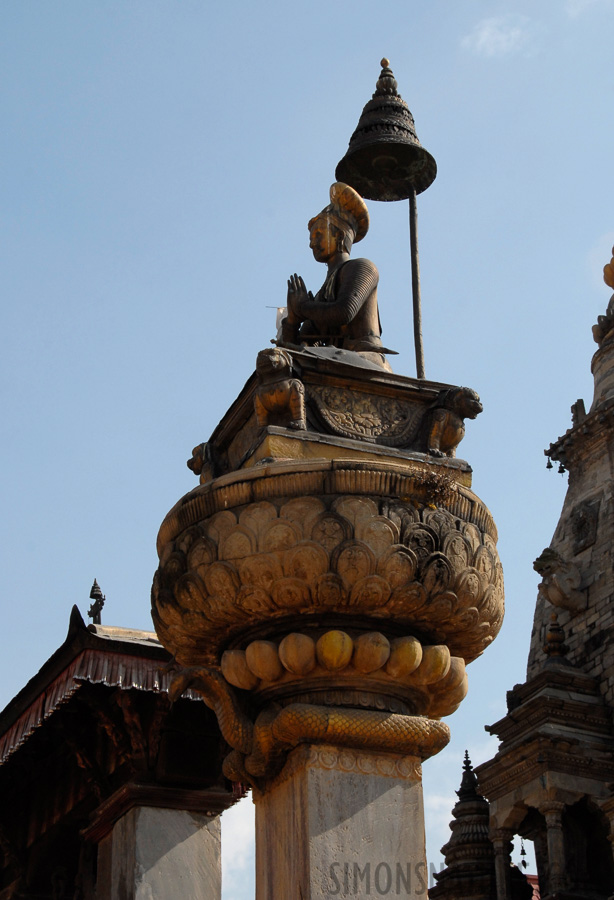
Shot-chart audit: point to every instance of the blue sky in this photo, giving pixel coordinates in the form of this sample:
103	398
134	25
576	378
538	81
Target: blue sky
160	161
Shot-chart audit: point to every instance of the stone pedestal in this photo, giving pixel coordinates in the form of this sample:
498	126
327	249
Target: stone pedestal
323	589
338	823
153	852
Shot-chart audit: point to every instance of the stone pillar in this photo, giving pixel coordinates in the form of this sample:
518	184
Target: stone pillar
553	813
502	842
292	595
340	822
161	853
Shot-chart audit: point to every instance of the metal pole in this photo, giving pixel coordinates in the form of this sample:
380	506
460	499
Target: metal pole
415	284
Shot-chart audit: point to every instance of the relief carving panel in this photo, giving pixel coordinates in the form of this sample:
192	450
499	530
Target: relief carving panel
352	414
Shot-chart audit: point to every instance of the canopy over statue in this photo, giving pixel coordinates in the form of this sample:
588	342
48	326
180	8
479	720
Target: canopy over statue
344	312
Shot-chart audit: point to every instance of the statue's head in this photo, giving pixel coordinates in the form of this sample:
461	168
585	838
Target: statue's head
340	224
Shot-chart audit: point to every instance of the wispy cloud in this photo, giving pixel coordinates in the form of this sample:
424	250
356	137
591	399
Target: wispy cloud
575	8
499	36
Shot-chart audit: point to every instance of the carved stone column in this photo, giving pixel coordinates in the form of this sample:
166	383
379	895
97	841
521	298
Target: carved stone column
553	813
502	842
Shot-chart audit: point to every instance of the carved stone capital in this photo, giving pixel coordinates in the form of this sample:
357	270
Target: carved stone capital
552	810
367	670
261	740
502	840
364	544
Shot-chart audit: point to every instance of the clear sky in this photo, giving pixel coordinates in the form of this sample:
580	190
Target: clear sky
160	161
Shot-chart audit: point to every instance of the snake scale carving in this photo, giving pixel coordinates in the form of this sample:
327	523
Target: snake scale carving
260	747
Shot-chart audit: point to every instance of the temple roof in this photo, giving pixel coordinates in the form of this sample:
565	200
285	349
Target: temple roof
116	657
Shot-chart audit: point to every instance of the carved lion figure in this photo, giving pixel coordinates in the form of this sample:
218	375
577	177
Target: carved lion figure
446	420
279	394
204	462
560	581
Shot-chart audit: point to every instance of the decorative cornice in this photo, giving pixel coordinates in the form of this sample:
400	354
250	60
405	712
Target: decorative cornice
588	438
508	771
326	477
345	759
386	765
548	711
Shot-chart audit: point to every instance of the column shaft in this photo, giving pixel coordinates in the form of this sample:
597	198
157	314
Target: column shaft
556	846
503	844
341	823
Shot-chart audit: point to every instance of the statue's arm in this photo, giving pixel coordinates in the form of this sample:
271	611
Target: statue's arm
355	283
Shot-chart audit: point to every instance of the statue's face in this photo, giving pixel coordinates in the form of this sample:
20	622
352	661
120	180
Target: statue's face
322	238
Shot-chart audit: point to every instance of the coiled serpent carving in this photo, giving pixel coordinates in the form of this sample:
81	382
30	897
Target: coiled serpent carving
260	747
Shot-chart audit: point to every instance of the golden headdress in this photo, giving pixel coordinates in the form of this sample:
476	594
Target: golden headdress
347	210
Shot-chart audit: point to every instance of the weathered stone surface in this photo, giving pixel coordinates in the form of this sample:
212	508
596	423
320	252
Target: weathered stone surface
340	409
583	537
320	827
155	852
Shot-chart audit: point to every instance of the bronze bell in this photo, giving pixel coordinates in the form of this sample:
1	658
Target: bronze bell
385	160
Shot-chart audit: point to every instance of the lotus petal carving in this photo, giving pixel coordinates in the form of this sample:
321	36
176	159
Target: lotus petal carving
433	572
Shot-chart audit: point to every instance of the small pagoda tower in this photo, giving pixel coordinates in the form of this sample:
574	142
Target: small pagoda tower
469	854
471	862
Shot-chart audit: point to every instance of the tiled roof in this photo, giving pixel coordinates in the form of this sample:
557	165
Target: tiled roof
115	657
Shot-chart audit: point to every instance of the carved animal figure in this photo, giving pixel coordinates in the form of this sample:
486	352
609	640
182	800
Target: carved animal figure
560	581
279	394
446	425
204	462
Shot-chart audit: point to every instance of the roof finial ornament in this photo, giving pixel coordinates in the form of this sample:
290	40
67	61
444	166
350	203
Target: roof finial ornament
96	608
608	272
469	782
554	645
386	83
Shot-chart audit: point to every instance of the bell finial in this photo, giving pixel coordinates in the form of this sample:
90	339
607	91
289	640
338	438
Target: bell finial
386	83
